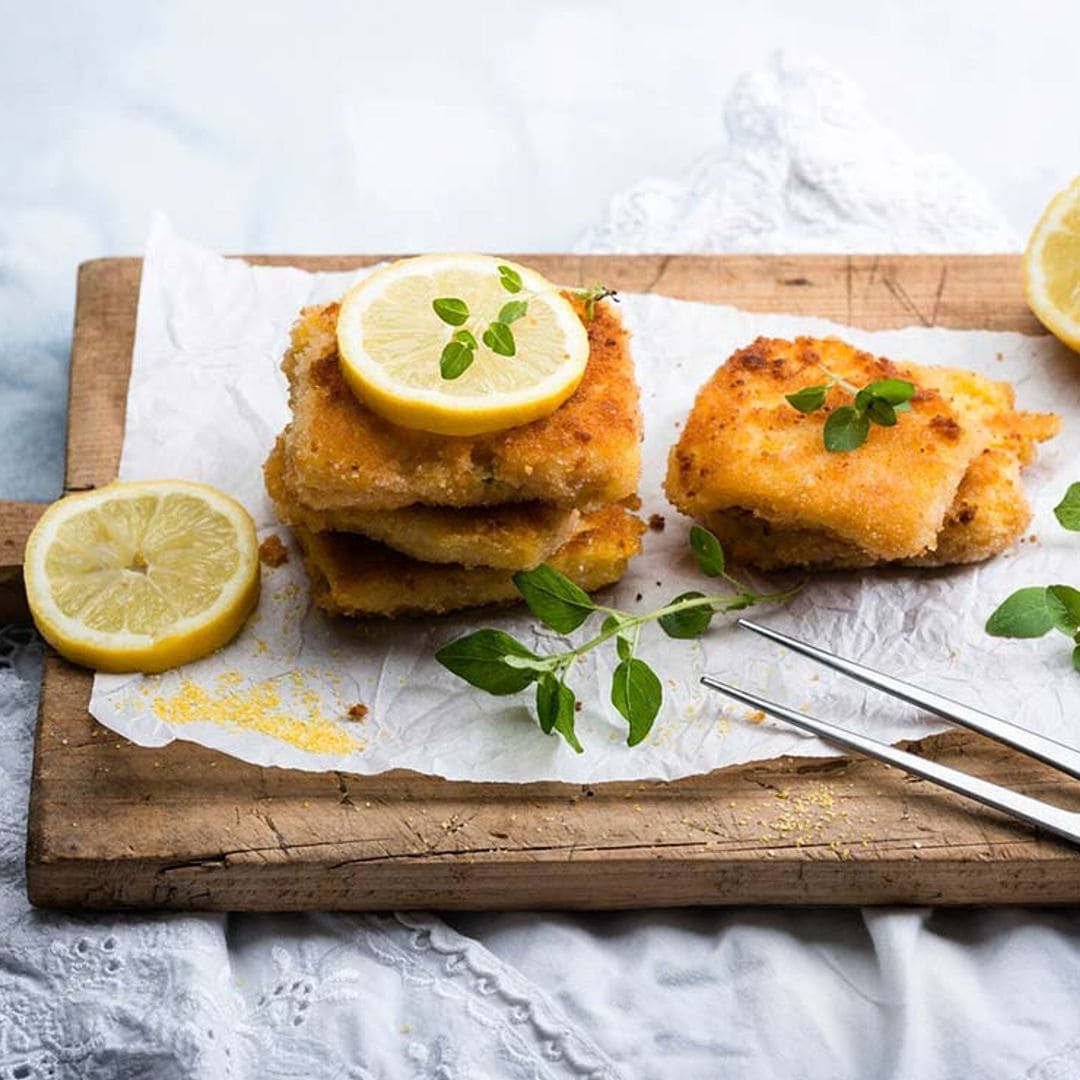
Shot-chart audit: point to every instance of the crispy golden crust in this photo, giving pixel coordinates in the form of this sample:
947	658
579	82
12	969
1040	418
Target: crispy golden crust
755	468
518	536
353	576
987	516
339	454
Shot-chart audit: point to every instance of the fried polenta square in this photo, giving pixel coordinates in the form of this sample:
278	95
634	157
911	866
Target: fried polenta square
988	515
340	454
353	576
755	469
515	536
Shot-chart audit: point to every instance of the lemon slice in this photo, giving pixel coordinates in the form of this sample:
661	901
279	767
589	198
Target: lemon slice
142	576
1052	267
391	341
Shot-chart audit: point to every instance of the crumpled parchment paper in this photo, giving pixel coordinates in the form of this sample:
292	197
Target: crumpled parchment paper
207	398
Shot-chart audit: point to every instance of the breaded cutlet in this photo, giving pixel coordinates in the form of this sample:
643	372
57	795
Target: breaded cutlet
988	514
351	575
339	454
517	536
755	468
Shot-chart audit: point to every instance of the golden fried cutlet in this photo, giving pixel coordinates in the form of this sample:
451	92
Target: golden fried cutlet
354	576
756	470
339	454
986	517
517	536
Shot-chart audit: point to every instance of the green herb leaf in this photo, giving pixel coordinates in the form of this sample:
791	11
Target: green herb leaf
510	278
1064	604
1076	658
451	310
863	399
892	391
553	598
513	310
690	623
1025	614
809	399
707	551
555	709
623	645
881	412
593	295
455	360
499	339
637	694
1068	510
846	429
485	659
465	338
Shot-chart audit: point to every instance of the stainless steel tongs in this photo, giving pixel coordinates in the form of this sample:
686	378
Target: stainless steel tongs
1065	823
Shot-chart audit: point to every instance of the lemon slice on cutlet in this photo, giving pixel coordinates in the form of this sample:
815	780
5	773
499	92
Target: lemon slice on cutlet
460	344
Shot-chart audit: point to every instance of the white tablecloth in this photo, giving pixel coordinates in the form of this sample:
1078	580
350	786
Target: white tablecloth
345	127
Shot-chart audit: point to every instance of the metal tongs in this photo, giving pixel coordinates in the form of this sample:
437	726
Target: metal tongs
1065	823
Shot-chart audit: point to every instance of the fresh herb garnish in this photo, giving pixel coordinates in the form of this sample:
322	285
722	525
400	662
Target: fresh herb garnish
459	353
510	279
848	427
496	662
593	295
1034	611
1068	510
499	338
451	310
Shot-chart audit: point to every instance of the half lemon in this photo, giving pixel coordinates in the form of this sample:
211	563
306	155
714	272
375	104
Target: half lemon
142	576
1052	267
392	339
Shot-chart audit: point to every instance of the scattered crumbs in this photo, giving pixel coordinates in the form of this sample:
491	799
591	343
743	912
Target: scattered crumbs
257	707
403	681
659	584
578	706
916	844
756	717
358	712
1033	538
999	357
657	522
637	599
272	552
406	1028
806	817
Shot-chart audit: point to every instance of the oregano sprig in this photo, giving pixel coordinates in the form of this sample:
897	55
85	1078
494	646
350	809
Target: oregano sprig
1034	611
460	351
848	427
494	661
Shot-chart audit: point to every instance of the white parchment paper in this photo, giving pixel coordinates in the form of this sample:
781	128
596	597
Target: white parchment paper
207	398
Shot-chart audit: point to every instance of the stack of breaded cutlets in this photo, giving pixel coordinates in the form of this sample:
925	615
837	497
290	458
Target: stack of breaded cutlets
396	521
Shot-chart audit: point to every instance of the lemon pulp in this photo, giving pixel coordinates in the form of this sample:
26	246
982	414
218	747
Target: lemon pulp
1052	267
142	576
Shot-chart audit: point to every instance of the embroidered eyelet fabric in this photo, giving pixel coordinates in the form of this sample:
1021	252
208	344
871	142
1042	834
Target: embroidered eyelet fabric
801	166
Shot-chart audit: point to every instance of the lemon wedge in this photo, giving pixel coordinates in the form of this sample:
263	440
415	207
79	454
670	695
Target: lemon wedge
395	327
142	576
1052	267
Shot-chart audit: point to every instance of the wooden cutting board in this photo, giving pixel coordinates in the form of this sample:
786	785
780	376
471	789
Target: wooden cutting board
113	825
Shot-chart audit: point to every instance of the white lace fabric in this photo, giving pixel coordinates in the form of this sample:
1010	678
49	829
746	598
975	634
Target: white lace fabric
803	167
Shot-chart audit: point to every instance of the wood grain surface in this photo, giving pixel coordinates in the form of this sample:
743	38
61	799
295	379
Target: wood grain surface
113	825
